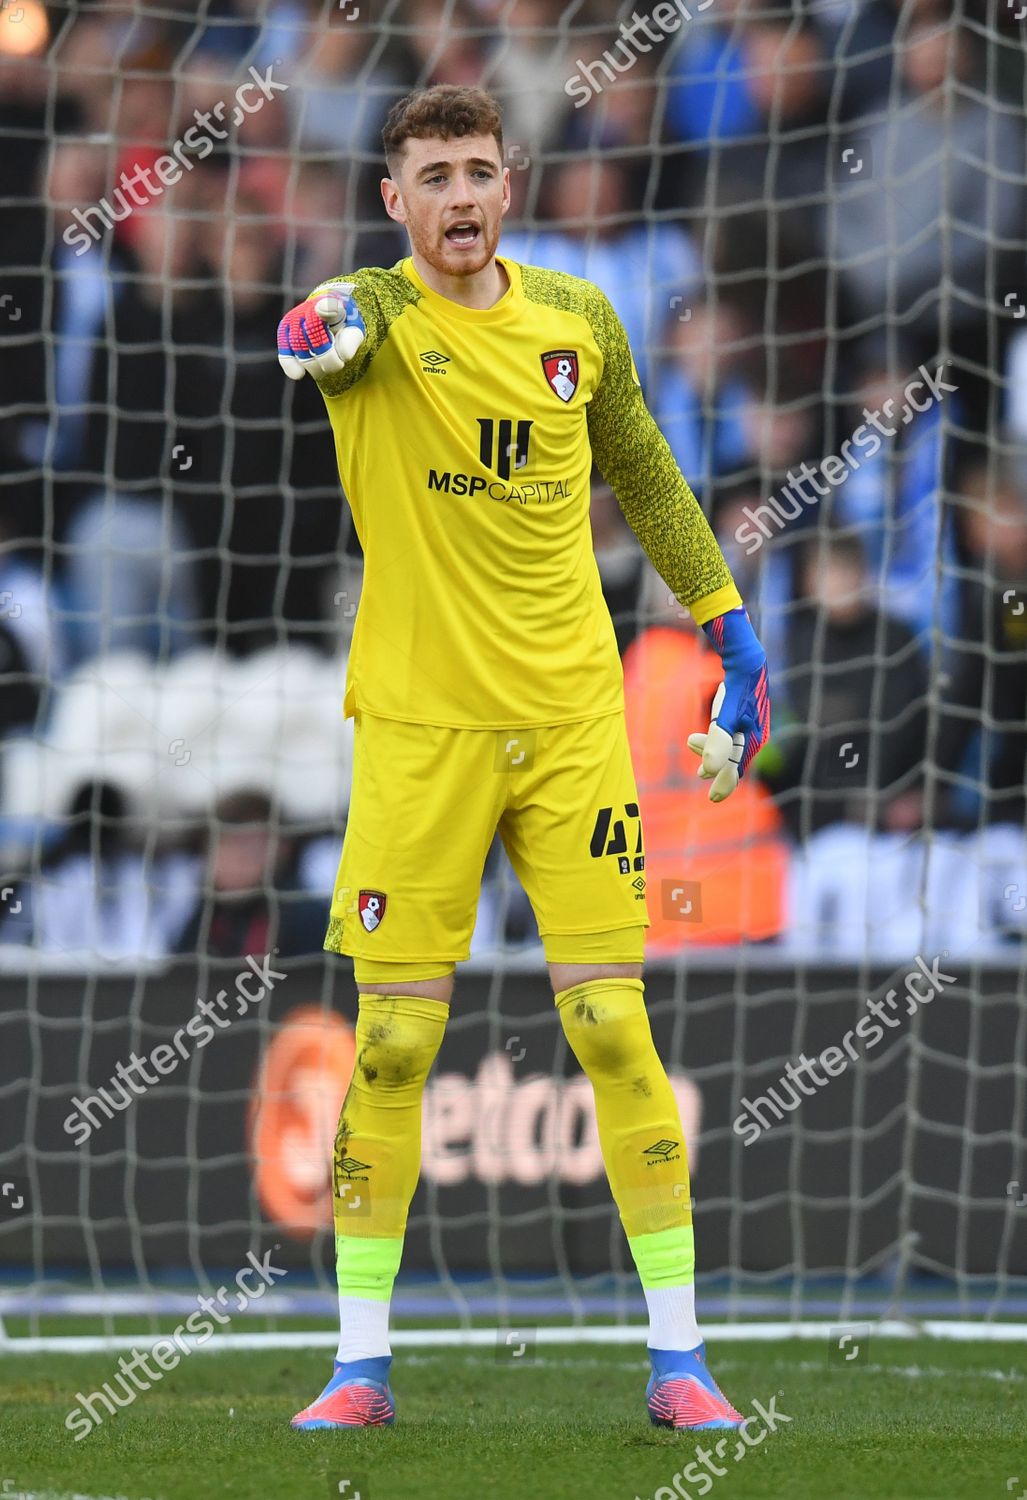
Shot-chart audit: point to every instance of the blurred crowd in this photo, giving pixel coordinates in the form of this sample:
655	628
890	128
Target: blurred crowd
811	220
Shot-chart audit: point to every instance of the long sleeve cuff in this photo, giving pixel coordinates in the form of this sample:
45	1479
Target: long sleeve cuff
717	603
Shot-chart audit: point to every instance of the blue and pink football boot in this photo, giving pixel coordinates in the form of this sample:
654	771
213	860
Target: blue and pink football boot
682	1393
357	1395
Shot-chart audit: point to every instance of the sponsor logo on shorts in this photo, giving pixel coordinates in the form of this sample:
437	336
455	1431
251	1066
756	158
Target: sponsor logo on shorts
620	837
371	906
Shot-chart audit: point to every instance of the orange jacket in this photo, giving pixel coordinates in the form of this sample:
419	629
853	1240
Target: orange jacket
716	873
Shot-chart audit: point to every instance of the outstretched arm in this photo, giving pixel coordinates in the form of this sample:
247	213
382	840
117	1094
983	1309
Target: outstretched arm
635	459
332	335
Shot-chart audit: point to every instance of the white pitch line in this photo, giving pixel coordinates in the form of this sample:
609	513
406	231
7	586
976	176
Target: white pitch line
470	1338
53	1495
913	1372
807	1366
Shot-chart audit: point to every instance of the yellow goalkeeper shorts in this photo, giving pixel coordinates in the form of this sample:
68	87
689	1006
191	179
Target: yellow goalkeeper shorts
425	805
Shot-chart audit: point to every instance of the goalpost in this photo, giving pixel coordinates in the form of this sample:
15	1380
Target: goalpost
178	584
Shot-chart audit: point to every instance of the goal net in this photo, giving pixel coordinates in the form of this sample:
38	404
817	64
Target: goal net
810	221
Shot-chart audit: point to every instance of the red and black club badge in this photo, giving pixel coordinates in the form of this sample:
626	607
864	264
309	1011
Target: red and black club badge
560	367
371	906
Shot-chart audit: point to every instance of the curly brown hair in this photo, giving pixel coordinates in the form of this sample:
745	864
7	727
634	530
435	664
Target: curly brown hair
444	110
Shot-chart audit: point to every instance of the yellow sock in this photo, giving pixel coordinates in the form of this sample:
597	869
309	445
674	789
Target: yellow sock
640	1131
378	1145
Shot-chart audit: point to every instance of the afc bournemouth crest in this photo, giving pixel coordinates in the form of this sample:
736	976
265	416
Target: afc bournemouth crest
561	372
371	905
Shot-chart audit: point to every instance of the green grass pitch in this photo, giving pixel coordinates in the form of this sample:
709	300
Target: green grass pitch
907	1420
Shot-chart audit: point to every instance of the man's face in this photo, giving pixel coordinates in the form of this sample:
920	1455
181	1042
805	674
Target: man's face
242	861
452	196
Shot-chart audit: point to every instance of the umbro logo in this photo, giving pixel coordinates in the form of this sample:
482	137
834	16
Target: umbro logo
431	360
349	1165
661	1149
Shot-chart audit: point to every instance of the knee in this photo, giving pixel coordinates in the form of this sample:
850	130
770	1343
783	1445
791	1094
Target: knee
606	1024
397	1039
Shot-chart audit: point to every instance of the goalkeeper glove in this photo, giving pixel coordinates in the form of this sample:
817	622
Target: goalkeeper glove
322	334
740	725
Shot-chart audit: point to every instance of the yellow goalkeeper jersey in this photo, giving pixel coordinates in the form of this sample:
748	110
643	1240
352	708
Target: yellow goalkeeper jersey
465	442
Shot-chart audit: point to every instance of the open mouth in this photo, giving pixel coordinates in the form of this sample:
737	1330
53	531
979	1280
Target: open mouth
463	235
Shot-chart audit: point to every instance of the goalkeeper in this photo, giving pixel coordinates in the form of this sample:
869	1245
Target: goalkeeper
469	396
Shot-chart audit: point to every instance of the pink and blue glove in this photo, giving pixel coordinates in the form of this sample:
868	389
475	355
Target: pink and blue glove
321	334
740	725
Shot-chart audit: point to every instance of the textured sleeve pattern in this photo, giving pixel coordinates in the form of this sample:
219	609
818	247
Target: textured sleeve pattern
380	296
635	459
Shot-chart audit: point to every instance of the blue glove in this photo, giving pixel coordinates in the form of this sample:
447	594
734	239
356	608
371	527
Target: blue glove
321	334
740	725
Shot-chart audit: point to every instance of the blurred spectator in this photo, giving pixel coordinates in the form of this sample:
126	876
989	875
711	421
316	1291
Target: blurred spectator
27	98
861	40
265	465
88	54
131	583
229	28
865	37
855	733
779	176
317	203
762	194
203	84
771	273
97	892
629	121
623	119
620	561
715	873
981	748
707	100
786	78
141	124
448	44
340	87
284	32
532	58
251	146
700	394
321	205
892	493
332	225
936	190
782	427
252	901
592	232
63	297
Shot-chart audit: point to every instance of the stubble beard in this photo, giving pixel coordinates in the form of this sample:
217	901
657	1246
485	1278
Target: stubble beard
460	264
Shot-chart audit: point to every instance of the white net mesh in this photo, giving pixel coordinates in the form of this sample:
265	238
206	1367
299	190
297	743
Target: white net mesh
811	224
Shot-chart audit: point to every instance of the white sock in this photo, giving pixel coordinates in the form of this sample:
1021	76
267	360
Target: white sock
672	1322
364	1325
